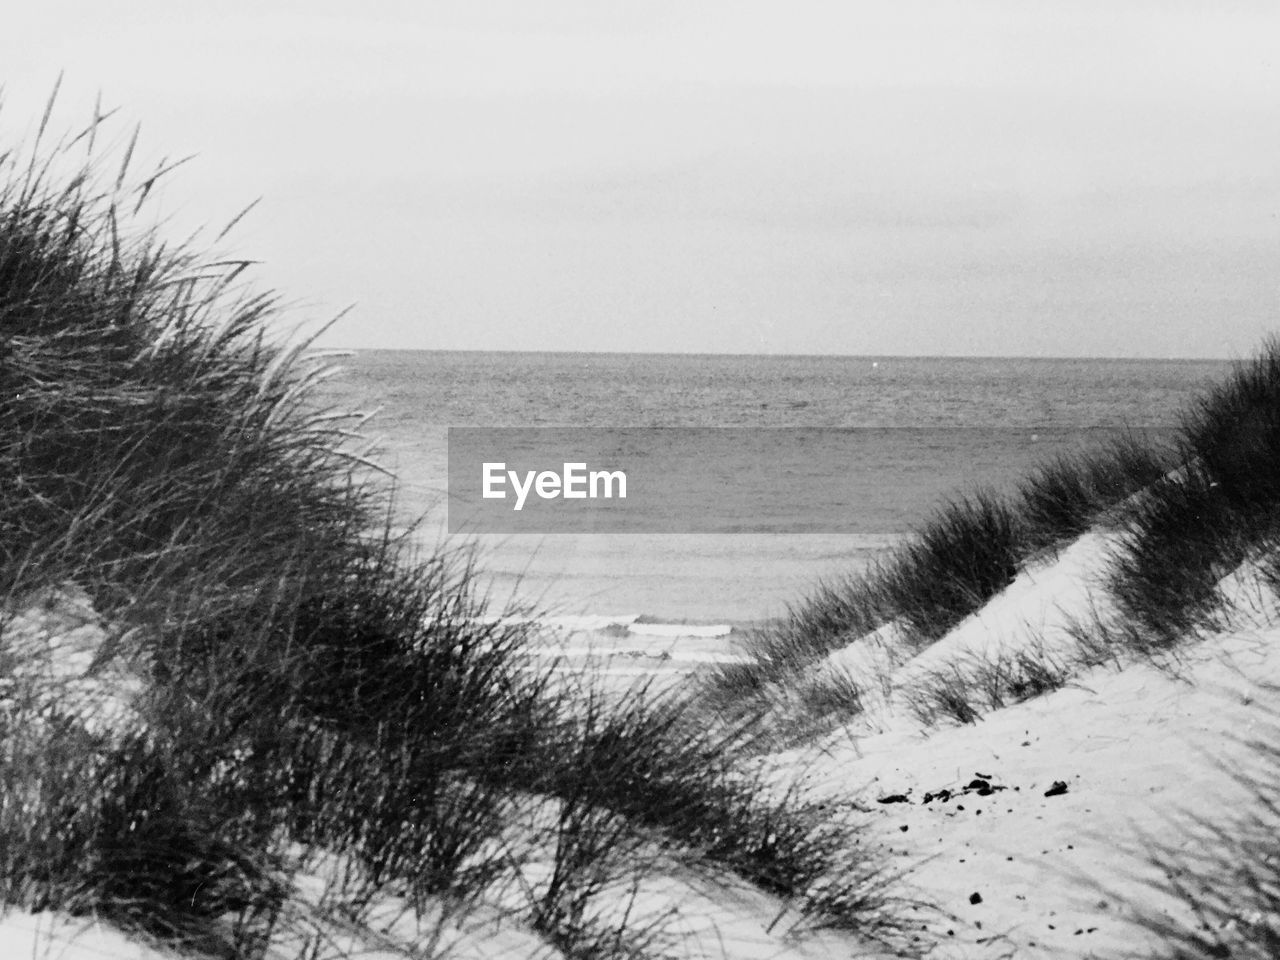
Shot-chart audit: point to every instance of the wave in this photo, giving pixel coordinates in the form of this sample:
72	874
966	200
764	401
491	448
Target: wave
616	625
664	655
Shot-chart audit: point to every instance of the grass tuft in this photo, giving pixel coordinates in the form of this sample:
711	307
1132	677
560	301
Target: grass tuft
1070	494
969	551
1224	870
1220	510
967	554
308	680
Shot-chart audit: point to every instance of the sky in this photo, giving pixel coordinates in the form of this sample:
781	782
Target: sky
908	177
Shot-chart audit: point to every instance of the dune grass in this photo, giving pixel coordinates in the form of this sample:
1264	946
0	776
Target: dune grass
1076	491
1217	512
311	683
961	557
1188	514
1224	869
965	555
966	689
969	551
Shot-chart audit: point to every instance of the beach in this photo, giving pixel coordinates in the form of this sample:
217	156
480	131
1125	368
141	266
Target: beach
796	483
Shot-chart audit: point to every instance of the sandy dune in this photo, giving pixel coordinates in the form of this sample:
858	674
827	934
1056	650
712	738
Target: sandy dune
1031	833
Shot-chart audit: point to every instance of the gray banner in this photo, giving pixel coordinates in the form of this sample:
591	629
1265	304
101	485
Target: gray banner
724	479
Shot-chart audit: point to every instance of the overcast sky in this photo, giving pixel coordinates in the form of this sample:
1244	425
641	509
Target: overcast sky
999	177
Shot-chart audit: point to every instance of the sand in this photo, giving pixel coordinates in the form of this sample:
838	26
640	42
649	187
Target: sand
1034	832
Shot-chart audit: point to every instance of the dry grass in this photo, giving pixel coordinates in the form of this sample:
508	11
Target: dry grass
310	681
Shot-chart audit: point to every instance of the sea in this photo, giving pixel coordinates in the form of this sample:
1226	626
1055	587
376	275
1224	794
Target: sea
930	428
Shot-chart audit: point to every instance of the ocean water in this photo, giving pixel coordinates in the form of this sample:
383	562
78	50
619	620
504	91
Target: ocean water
929	428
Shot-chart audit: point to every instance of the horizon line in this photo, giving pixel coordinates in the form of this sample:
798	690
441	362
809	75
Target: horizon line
797	356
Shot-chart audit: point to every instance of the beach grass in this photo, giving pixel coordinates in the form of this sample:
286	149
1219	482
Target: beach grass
967	553
1218	511
961	557
314	688
1077	491
971	549
949	567
1228	881
967	688
311	685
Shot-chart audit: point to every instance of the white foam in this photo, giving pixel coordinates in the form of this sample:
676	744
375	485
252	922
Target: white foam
679	629
672	654
566	623
589	622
